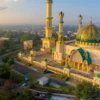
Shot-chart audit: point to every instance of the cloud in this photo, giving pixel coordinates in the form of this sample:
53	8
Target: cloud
11	1
15	0
3	8
4	4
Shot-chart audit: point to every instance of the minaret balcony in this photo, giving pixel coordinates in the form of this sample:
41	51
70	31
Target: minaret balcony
49	17
61	21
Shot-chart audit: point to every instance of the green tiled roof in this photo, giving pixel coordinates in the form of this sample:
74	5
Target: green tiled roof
81	51
89	61
98	75
85	56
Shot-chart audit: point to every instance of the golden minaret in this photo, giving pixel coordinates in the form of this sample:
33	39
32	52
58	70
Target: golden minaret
48	42
60	43
59	54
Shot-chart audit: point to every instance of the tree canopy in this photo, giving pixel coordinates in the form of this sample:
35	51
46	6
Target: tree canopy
4	71
7	90
87	91
25	95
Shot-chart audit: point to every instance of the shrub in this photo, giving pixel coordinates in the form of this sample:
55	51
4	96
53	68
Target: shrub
17	77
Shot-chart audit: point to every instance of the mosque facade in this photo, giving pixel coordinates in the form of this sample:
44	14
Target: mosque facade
82	56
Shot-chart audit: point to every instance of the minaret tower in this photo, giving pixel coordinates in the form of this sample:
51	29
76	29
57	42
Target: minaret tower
80	17
49	18
48	42
60	33
59	54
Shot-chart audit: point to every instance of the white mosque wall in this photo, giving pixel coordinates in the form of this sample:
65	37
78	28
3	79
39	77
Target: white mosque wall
69	48
94	53
95	56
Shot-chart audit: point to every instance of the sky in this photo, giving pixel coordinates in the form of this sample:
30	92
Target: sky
33	11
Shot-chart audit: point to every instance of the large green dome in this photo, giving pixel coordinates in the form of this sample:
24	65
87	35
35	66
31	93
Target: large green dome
90	33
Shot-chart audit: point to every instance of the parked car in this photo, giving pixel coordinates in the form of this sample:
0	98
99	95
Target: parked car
25	84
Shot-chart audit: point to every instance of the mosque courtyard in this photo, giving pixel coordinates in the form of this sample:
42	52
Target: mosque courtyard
40	56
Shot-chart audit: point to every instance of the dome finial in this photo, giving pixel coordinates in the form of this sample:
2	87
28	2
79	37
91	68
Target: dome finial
91	20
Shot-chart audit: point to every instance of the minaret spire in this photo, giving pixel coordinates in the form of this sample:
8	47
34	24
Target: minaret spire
80	17
91	20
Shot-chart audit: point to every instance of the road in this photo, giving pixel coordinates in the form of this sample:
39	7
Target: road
19	67
7	54
24	70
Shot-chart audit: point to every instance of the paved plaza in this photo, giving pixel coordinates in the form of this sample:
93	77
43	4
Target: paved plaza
40	57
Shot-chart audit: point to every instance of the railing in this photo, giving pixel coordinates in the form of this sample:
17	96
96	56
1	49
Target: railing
56	70
59	71
80	77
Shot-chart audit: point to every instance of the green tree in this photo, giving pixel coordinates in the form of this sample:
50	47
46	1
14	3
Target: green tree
4	71
1	50
5	59
10	61
17	78
32	84
26	95
87	91
25	37
68	89
7	90
36	40
8	43
8	34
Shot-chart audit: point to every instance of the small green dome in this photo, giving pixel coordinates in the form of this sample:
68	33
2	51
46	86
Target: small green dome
67	66
98	75
61	13
90	33
80	16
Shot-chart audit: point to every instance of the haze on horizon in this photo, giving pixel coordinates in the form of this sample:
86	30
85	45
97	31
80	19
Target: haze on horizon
33	11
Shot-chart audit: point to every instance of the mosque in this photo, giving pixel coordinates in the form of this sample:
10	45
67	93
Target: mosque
82	57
